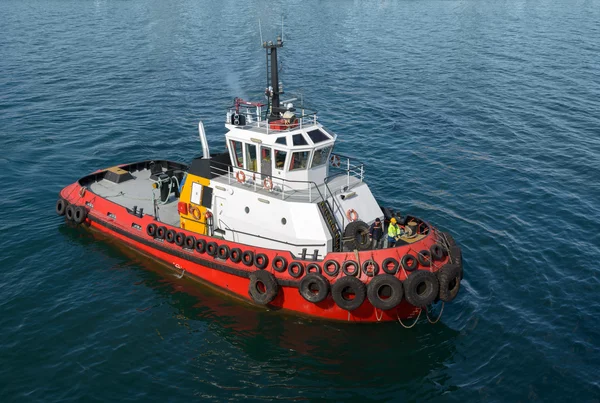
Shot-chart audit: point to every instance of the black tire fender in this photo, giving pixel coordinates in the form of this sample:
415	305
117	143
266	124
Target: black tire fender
449	279
386	265
313	266
421	288
211	248
314	287
200	245
279	264
263	287
170	236
437	252
261	261
151	229
345	285
161	232
424	258
70	212
223	252
248	258
179	239
348	272
327	266
370	268
61	206
79	214
296	269
190	242
385	291
356	234
235	255
409	262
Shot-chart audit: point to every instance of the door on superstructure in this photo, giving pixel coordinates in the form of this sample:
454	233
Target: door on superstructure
251	157
266	162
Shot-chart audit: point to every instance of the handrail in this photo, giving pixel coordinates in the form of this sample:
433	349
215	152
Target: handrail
270	239
227	169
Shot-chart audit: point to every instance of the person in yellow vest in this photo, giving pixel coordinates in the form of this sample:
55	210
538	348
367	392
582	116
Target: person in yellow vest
394	232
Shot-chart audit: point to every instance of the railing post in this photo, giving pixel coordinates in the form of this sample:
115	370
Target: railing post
348	176
229	174
362	172
309	192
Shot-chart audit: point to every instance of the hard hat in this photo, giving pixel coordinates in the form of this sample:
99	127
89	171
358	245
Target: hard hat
393	220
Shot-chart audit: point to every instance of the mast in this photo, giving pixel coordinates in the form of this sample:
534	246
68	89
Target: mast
273	89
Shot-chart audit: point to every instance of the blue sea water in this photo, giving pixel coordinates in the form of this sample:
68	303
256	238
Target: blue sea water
481	116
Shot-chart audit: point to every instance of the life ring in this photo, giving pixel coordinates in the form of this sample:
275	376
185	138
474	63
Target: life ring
179	239
437	252
236	255
424	257
200	245
195	212
313	266
79	214
335	161
386	265
370	268
70	212
190	242
352	215
336	268
161	232
151	229
248	258
385	292
279	264
296	269
343	288
409	262
211	248
223	252
348	272
263	287
261	261
170	236
268	183
314	287
449	279
421	288
240	176
61	206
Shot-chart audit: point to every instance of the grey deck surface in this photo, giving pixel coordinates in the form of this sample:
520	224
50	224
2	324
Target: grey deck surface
138	192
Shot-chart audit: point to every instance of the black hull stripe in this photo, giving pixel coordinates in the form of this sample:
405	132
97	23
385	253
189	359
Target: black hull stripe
184	255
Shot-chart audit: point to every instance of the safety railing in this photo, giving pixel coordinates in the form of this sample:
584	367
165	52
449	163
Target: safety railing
302	191
252	117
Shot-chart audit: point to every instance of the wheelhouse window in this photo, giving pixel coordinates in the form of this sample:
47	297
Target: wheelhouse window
299	160
280	159
251	157
281	140
236	150
299	140
321	156
317	136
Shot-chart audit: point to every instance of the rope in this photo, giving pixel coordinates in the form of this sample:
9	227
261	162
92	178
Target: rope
439	316
181	275
378	317
414	323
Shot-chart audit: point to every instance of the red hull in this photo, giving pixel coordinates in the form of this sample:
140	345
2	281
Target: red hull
116	221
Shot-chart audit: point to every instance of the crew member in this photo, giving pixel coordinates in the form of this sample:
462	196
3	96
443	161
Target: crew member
376	234
394	232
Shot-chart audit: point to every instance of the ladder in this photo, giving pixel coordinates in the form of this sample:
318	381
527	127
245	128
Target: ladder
332	225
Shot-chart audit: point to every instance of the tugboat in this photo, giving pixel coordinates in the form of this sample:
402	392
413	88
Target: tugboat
278	219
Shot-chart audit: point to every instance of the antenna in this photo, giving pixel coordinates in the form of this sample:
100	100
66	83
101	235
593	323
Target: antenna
260	29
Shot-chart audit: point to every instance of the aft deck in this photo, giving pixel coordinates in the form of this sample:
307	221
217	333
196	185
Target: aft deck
138	193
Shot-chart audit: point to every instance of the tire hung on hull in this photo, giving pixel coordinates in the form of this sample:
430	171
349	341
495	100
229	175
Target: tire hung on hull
421	288
263	287
385	291
61	206
356	235
449	279
348	293
314	287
